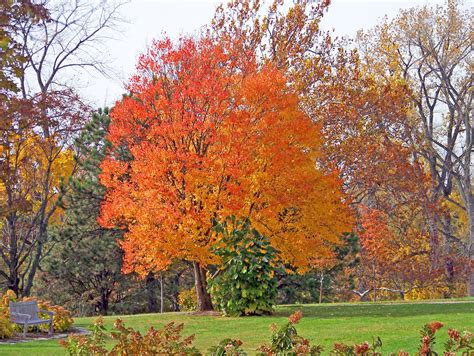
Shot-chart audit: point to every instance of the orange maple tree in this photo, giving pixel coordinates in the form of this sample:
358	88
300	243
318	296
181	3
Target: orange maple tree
208	133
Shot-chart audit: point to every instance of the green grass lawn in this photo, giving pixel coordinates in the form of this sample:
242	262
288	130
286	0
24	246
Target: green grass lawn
396	323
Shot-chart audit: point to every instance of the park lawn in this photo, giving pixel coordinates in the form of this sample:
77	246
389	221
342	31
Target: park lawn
397	324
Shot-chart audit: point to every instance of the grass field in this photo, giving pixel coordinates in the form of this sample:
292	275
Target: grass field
396	323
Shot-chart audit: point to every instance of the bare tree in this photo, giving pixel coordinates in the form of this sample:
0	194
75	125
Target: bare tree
432	49
69	41
61	45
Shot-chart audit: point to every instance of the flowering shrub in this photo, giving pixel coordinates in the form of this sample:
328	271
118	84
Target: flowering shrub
428	338
165	341
340	349
62	319
6	328
187	300
286	340
459	342
227	347
365	349
93	344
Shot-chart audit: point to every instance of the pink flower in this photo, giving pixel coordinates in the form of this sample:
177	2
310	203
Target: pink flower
362	348
273	327
454	334
295	317
435	325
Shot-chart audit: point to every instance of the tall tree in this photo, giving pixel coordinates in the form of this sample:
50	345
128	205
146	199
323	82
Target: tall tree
36	138
431	48
213	135
86	258
363	116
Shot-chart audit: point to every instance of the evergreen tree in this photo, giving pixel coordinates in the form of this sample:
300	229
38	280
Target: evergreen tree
86	260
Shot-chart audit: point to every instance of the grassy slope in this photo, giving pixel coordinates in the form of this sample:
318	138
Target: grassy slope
396	323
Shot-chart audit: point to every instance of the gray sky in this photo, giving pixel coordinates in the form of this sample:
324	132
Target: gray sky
148	19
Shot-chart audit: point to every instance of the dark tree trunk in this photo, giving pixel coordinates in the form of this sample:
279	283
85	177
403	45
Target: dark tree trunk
161	293
203	297
150	286
13	284
174	295
103	305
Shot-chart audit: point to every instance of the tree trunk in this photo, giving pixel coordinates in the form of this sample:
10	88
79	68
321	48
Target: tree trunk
434	239
174	295
161	293
203	297
321	281
150	286
103	303
375	284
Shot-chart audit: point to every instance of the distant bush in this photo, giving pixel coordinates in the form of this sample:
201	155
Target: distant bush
187	300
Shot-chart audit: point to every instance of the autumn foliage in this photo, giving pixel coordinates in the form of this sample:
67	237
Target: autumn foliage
206	135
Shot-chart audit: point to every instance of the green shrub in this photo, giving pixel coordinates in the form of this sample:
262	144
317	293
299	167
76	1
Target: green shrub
244	283
187	300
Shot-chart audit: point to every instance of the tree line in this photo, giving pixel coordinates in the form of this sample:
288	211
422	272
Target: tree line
353	157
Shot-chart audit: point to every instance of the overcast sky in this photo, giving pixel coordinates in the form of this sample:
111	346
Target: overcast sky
148	19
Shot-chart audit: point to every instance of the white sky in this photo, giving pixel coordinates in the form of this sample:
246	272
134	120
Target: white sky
148	19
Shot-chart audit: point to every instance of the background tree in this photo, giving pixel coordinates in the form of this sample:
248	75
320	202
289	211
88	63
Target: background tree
207	144
11	58
330	282
36	138
431	49
363	118
86	258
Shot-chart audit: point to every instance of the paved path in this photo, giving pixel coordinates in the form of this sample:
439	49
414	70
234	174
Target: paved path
18	338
